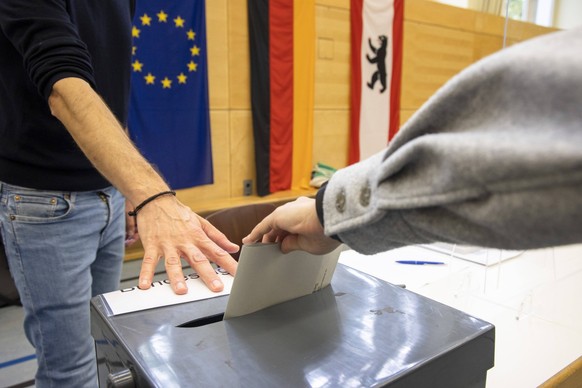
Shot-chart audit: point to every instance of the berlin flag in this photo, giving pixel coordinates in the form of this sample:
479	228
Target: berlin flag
376	59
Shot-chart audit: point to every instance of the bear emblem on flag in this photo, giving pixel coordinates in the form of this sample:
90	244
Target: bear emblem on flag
380	61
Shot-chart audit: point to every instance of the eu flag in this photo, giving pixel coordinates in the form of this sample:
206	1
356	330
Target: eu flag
169	117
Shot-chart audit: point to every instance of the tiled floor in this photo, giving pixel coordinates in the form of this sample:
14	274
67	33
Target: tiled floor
531	299
13	349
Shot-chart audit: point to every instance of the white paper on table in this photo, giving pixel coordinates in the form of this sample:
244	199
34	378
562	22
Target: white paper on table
161	294
265	277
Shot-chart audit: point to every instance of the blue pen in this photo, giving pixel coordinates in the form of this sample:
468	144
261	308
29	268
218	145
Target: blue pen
419	262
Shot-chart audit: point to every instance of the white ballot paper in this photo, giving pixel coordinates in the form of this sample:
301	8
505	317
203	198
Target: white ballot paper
265	277
161	294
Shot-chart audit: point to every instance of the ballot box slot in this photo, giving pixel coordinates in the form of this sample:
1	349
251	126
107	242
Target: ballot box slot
203	321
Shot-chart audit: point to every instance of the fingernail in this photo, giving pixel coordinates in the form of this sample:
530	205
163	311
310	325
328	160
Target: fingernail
216	284
181	286
143	284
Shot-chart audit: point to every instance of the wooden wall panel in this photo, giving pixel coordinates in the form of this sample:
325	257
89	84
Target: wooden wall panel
241	130
216	42
332	75
485	45
330	139
437	14
238	57
518	31
486	23
242	151
332	66
432	55
345	4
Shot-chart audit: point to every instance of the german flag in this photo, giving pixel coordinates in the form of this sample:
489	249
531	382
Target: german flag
282	52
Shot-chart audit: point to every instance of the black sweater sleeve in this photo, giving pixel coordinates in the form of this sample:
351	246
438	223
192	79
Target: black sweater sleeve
48	41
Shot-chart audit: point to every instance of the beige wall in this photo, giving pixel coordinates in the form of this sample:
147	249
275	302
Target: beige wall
439	41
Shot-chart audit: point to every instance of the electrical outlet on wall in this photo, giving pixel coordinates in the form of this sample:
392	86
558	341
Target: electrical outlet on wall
247	187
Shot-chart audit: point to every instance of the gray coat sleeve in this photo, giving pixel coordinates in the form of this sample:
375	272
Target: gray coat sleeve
493	159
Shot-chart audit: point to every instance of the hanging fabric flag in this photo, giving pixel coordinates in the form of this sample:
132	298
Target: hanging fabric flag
169	118
376	59
282	53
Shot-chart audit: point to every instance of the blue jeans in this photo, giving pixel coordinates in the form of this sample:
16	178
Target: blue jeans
62	248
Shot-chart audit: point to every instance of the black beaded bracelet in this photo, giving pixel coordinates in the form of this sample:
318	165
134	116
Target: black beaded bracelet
134	212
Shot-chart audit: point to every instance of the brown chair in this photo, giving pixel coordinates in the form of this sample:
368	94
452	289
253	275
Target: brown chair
237	222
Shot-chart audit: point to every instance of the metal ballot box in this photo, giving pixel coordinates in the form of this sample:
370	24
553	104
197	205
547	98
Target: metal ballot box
358	332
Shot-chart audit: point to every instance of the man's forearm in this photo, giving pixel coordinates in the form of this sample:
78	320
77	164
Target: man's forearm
168	229
102	139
